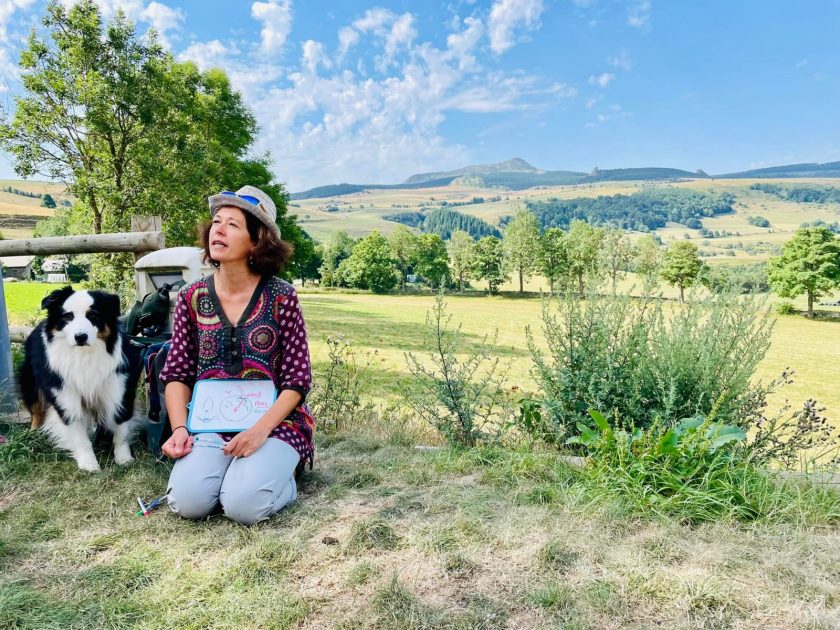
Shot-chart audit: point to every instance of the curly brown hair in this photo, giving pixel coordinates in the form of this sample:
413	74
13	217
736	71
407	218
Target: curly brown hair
270	254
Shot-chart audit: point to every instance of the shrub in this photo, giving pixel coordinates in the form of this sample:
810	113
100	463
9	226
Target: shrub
628	359
337	395
463	398
785	308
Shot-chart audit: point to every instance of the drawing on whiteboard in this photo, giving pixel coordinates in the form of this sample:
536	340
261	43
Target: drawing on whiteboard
235	408
229	405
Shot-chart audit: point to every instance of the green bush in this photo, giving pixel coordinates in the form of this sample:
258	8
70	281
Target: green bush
785	308
636	362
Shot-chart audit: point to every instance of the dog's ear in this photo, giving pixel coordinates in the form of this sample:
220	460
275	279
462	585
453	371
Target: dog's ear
109	305
56	297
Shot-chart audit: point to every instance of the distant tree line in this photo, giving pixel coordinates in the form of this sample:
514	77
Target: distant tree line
443	221
801	193
642	211
22	193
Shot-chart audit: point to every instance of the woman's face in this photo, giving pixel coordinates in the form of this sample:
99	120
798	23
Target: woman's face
229	238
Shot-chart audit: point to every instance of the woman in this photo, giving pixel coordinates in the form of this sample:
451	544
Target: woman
241	322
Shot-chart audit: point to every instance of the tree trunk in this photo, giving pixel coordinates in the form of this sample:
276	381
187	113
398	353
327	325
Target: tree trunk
810	304
580	283
521	289
551	285
682	296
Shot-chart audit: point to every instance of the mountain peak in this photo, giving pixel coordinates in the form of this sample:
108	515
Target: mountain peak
514	165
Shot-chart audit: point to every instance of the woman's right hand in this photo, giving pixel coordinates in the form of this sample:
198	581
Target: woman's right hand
179	444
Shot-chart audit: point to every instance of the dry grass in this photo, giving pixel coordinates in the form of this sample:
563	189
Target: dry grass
464	545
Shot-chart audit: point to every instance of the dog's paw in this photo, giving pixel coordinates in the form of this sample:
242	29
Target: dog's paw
123	457
88	464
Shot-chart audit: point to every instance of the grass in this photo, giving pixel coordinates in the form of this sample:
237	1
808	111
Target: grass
459	550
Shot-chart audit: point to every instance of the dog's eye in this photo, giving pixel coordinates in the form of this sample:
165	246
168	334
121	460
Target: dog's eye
69	316
93	317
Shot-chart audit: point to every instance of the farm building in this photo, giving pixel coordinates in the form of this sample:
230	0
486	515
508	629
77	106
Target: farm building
54	269
19	267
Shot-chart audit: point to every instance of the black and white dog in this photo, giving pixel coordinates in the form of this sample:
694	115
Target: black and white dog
81	372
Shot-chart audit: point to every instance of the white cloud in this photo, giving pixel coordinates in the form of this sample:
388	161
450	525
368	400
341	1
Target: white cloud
402	34
621	60
602	80
461	44
639	15
276	19
313	56
347	38
506	16
374	20
163	19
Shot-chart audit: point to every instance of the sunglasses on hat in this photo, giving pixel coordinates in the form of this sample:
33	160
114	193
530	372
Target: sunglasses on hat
252	200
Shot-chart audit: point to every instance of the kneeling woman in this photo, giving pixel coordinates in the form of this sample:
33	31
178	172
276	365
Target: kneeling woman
241	322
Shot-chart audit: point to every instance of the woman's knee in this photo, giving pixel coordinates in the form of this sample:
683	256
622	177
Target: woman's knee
252	505
190	500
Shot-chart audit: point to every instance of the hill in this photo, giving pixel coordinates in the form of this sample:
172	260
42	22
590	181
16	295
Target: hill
829	169
514	165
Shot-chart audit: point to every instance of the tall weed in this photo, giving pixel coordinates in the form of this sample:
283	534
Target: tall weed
457	390
635	360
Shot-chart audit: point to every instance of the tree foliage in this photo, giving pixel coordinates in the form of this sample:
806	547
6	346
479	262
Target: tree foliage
521	236
642	211
488	263
682	266
810	264
460	249
370	265
431	260
130	130
584	247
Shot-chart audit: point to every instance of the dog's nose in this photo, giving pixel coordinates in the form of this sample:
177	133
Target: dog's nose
81	338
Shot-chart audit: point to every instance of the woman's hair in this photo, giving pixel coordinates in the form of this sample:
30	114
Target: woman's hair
270	254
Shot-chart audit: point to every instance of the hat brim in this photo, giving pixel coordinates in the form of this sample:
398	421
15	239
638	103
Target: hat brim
219	201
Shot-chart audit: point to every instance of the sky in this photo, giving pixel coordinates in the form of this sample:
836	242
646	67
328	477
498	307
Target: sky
375	91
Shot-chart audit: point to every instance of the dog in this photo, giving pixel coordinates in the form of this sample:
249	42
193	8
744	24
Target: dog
80	372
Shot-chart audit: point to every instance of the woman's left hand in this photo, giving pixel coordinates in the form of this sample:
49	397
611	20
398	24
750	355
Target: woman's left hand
246	443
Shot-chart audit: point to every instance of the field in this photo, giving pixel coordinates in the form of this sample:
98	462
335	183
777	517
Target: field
19	214
388	536
359	213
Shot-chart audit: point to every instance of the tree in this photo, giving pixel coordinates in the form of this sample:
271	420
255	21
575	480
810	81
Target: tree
47	201
370	266
488	263
521	235
403	249
584	247
553	255
616	254
431	260
130	130
682	266
648	259
810	264
307	259
460	249
336	250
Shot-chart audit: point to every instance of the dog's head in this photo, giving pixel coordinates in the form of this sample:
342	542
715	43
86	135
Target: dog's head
82	318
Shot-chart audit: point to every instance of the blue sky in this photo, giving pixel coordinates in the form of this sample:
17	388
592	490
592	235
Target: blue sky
371	92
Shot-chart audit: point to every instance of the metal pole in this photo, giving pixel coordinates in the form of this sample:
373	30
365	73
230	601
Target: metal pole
8	390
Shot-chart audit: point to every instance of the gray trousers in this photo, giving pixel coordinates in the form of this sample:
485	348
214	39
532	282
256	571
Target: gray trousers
250	489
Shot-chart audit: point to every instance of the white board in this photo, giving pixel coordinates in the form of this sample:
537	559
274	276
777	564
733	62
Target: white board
228	405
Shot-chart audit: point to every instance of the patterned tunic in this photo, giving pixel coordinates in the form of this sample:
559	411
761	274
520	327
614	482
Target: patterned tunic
269	341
